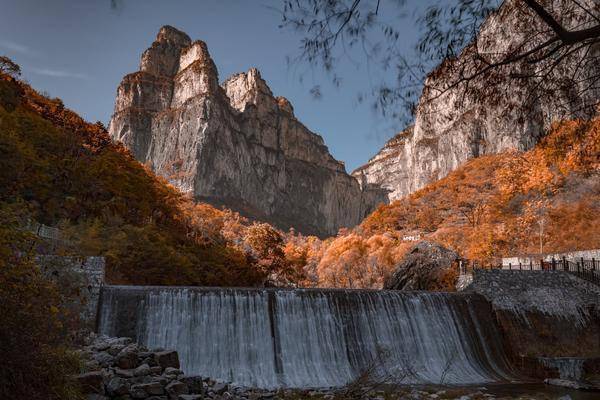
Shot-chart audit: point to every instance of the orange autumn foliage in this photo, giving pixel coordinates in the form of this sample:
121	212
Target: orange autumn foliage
69	173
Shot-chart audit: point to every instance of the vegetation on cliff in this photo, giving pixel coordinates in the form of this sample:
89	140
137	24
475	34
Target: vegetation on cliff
62	171
546	199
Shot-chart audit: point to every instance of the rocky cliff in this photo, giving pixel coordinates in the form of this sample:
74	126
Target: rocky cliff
233	144
469	121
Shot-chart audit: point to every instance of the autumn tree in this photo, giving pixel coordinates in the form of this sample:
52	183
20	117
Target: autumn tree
266	246
473	211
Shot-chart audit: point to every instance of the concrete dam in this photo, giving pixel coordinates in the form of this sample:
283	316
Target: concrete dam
310	338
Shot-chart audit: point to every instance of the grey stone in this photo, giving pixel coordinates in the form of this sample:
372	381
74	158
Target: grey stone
142	379
195	384
152	388
172	371
122	397
124	373
103	358
157	370
115	349
137	392
161	379
220	388
117	386
127	357
91	365
190	397
167	359
176	388
142	370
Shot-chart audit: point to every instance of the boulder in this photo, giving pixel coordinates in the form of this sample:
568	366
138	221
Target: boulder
137	392
124	373
195	384
167	359
128	357
117	386
176	388
142	370
91	382
152	388
103	358
115	349
156	370
220	388
426	266
190	397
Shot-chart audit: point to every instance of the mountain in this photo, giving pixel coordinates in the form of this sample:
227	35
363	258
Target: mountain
490	207
59	170
233	144
480	119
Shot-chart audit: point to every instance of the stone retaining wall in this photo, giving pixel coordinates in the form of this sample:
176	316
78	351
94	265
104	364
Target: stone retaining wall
84	276
543	314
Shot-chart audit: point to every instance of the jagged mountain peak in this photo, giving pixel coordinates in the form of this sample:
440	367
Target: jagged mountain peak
167	33
234	144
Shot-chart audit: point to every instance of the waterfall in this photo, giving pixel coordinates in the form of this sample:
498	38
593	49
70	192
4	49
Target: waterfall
312	338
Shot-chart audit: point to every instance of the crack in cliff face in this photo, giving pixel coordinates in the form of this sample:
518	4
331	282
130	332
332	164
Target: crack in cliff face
466	124
233	144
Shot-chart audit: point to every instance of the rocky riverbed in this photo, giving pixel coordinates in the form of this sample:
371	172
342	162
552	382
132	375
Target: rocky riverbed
119	369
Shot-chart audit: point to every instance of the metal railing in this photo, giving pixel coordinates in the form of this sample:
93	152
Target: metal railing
585	269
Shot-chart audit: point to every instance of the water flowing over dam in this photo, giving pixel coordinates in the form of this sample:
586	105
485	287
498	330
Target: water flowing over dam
309	337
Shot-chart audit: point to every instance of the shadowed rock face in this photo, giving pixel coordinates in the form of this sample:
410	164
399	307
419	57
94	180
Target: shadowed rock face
457	126
233	144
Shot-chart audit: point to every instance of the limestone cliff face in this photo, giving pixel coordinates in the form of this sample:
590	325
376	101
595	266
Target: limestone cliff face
233	144
462	124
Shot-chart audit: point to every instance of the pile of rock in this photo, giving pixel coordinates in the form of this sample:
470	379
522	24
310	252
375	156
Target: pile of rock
117	368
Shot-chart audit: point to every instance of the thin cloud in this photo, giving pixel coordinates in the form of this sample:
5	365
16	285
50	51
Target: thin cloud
17	48
56	73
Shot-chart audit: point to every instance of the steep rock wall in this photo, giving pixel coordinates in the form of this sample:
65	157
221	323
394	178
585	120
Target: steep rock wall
233	144
462	123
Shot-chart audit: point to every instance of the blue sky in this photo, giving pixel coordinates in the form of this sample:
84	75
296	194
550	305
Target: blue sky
79	50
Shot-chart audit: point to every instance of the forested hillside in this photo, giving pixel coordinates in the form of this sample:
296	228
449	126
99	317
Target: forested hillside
547	198
59	170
